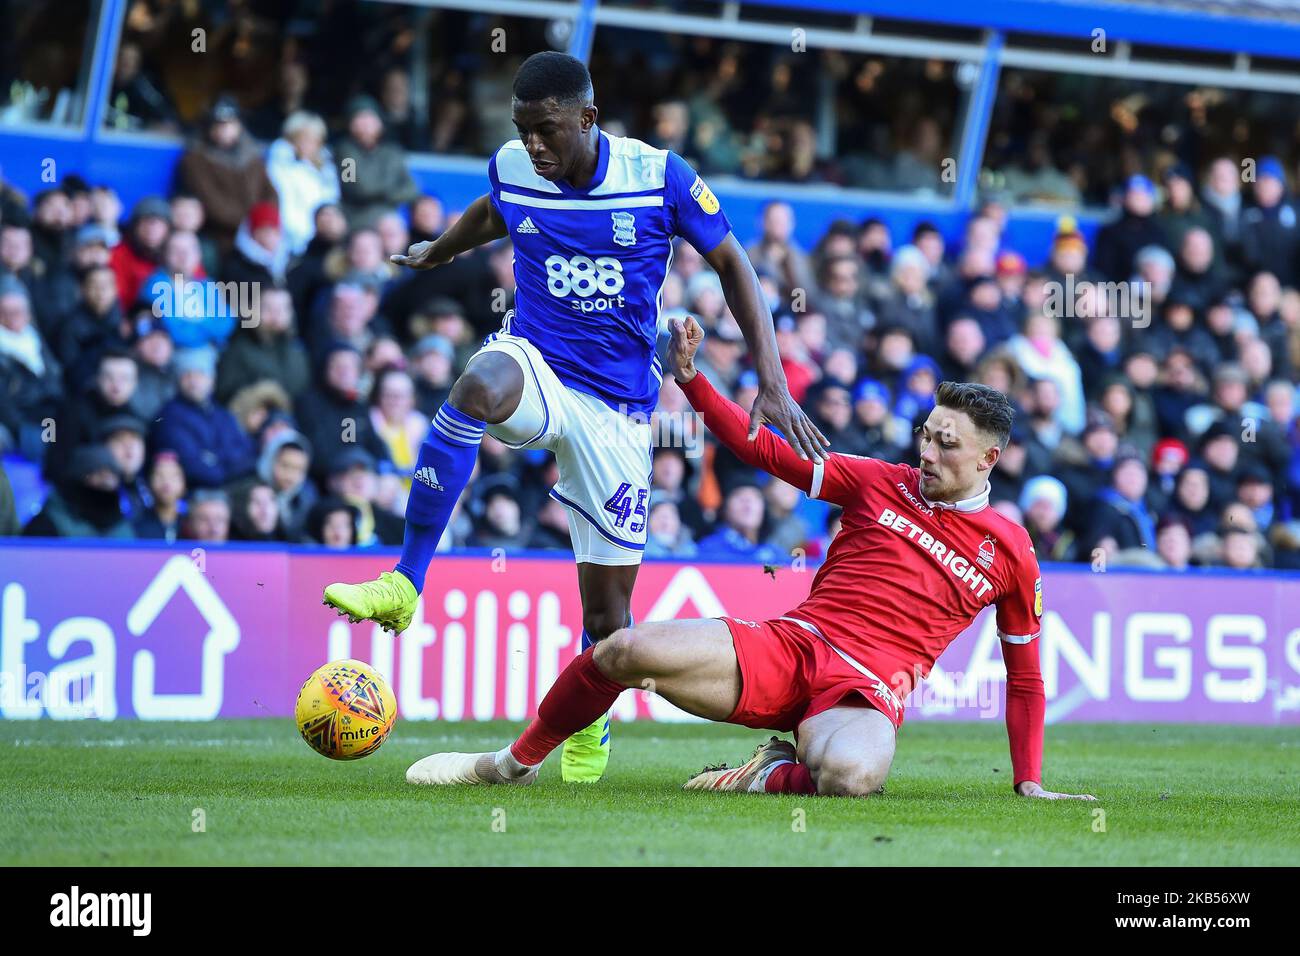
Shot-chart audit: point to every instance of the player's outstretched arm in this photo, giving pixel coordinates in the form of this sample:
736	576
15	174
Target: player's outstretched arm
774	403
1026	704
479	224
758	447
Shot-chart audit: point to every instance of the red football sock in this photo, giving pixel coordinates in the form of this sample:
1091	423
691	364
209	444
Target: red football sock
579	695
790	778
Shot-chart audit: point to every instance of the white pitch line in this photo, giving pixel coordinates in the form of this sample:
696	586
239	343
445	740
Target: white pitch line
145	741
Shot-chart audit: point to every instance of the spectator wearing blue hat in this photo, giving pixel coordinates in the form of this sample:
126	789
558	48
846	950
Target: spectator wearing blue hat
212	448
869	389
1118	242
882	434
916	389
1270	239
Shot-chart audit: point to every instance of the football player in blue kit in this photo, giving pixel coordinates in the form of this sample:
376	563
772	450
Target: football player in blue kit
573	368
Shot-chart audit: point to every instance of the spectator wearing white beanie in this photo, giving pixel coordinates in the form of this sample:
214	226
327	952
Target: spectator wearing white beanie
1043	502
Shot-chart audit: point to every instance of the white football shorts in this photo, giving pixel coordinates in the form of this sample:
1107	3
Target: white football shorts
603	456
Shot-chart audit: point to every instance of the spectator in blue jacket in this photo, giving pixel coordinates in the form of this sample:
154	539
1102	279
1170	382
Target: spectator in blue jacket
739	533
212	448
191	306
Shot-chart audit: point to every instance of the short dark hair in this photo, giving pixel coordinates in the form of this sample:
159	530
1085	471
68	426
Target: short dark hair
552	75
989	409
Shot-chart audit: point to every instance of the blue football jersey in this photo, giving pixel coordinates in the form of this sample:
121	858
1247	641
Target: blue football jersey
590	263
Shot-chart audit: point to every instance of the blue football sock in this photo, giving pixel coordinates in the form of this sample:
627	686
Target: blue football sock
441	472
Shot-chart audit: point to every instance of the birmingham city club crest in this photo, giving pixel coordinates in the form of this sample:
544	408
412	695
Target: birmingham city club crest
624	228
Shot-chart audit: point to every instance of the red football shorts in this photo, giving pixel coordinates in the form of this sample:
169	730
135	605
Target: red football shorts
789	674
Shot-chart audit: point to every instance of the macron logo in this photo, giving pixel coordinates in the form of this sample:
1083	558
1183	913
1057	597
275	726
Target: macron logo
133	910
527	226
428	476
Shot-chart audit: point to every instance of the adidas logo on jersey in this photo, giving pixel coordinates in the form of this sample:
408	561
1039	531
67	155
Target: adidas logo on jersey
527	226
428	476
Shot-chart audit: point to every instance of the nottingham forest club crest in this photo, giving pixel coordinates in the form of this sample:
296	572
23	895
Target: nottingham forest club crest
624	228
985	558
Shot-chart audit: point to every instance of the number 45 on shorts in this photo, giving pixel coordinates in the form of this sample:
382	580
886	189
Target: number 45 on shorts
621	506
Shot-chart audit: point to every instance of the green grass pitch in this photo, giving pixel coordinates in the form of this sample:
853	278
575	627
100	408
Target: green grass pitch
135	793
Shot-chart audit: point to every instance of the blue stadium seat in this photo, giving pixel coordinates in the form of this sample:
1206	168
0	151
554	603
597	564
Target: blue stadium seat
29	489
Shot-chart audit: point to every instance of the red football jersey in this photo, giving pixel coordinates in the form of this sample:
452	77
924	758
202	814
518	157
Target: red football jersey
905	576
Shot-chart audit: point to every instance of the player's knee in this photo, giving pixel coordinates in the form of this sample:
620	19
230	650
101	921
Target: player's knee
619	656
848	778
601	623
489	389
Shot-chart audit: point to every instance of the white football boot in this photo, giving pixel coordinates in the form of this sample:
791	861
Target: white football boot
442	770
739	778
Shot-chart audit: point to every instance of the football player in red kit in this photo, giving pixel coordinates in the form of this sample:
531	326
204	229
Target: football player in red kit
919	554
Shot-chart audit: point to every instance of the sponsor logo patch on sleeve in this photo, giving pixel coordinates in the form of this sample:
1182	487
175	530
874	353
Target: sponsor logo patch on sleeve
1038	597
704	196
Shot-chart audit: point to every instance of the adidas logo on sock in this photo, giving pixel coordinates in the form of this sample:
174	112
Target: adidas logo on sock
527	226
427	476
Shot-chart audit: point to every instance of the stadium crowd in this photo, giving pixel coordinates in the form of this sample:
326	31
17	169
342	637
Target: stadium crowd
239	360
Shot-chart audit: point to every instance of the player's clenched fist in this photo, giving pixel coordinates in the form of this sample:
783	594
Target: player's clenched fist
685	339
422	255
